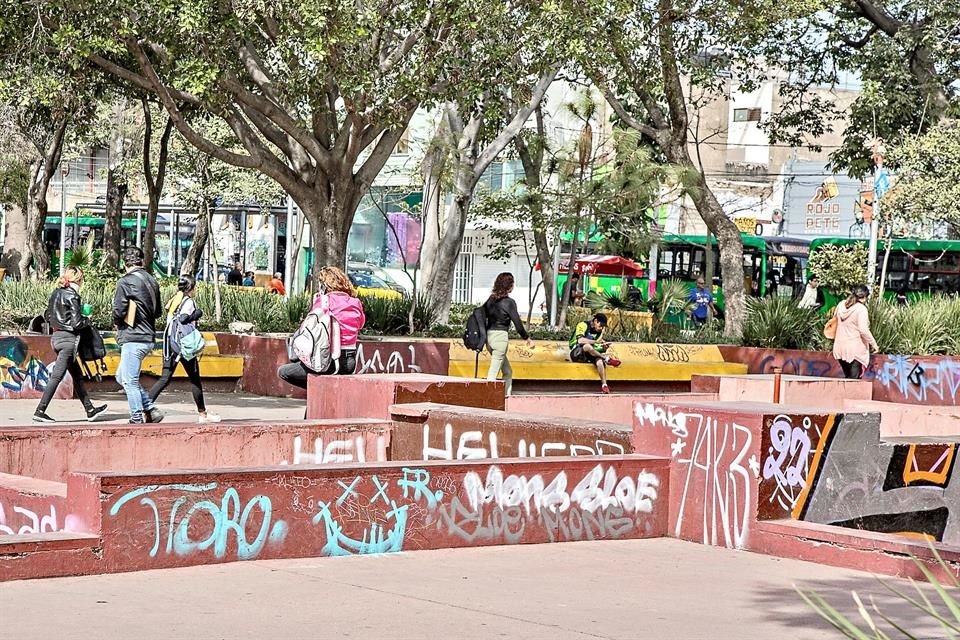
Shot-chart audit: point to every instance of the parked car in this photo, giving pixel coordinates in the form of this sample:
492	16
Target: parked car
377	272
368	285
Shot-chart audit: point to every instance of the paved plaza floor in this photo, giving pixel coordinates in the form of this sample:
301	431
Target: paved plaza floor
177	405
643	589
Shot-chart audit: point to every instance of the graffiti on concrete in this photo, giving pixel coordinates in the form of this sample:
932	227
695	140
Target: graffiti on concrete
917	380
17	520
370	359
789	445
857	481
338	450
22	375
820	365
299	512
475	444
182	514
718	467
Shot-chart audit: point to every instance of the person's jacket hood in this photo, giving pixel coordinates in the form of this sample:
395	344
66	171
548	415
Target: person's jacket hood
844	312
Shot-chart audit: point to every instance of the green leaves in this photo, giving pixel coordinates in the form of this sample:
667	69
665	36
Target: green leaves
840	267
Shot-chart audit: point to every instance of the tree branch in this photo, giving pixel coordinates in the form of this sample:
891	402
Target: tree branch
513	128
630	121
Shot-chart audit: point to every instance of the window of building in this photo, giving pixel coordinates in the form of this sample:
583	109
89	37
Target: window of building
403	144
746	115
463	275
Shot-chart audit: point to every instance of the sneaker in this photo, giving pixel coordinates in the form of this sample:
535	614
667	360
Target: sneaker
210	417
131	421
613	362
154	415
604	389
93	412
40	416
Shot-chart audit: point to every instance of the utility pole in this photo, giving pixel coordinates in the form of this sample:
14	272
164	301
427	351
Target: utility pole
881	184
64	172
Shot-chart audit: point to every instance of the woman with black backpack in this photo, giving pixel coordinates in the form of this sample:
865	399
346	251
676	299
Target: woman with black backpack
66	319
182	317
501	310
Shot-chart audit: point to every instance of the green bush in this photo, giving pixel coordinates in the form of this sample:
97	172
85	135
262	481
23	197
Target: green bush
885	319
840	267
778	323
390	316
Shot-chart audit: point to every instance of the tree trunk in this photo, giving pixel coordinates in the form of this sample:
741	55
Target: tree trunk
201	236
113	214
330	213
15	240
439	284
432	168
155	183
731	248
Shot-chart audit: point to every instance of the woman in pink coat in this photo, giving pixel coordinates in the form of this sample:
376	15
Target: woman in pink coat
853	342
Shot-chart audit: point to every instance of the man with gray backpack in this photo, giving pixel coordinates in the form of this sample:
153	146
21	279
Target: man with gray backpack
182	345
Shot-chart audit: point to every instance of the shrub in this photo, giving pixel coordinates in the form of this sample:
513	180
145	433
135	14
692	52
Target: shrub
924	328
885	318
778	323
840	267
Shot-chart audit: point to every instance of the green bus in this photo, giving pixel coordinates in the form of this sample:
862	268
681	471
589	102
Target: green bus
918	268
771	266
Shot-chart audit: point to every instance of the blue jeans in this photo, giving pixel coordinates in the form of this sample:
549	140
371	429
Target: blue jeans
128	375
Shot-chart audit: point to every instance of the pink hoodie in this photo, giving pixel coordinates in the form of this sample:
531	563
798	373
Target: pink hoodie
348	312
853	340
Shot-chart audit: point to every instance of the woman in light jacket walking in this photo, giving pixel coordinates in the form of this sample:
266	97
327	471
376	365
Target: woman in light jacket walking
853	342
501	311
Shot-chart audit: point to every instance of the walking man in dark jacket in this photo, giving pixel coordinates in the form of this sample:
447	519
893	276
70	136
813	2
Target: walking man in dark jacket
136	307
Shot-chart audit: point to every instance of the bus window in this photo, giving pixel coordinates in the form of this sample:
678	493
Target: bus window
665	265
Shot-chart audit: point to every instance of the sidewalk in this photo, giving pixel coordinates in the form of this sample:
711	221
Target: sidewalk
644	589
177	405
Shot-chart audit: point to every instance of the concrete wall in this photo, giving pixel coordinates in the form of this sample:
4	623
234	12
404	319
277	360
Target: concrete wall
174	519
616	407
264	355
437	431
25	366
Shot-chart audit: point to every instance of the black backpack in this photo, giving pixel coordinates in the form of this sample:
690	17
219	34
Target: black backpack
90	353
475	335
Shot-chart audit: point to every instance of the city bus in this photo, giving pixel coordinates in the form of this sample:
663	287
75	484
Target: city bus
771	266
919	268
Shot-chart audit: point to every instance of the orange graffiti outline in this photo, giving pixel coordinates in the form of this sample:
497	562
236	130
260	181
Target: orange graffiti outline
911	475
812	473
916	535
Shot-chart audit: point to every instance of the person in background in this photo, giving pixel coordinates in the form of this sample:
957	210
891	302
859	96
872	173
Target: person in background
339	296
702	301
501	311
853	342
902	299
136	307
182	317
64	314
812	295
248	279
235	277
276	284
588	346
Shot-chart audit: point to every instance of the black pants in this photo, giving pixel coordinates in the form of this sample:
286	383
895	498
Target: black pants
64	345
851	370
192	367
296	373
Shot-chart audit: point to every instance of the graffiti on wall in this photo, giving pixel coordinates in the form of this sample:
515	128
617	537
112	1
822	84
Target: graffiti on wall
789	447
371	359
854	480
22	374
718	468
314	514
474	444
916	380
19	520
339	449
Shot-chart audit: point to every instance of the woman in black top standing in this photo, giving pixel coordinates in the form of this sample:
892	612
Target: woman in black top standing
501	310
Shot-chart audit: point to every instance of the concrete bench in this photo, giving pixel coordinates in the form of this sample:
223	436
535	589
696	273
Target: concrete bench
213	364
642	362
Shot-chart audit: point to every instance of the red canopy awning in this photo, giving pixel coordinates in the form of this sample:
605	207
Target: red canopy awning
597	265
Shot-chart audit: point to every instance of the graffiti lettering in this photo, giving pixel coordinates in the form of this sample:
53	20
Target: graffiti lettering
788	460
395	361
337	451
227	518
906	380
471	446
672	353
798	366
33	523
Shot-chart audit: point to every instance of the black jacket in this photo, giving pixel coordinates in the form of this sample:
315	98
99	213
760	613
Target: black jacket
64	312
139	287
500	313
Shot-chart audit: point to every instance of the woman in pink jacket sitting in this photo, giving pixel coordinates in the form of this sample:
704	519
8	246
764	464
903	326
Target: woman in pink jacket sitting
853	342
339	296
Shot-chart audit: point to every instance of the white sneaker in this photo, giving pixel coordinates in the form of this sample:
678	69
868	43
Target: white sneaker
210	417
